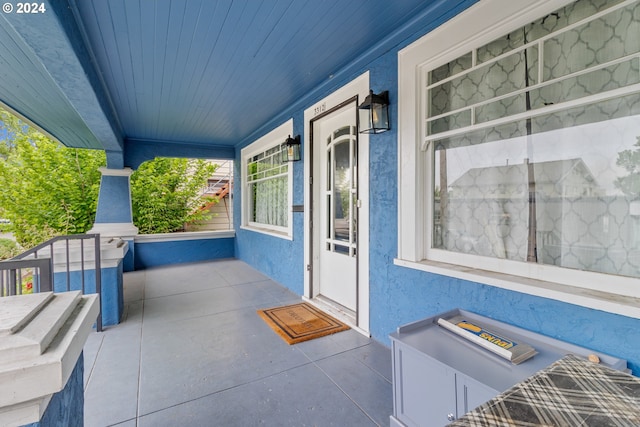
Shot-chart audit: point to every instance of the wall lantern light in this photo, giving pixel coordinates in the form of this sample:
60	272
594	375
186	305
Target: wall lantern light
374	113
291	153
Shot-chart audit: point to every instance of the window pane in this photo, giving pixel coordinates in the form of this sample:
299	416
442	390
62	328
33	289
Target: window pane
269	201
494	79
450	69
265	191
610	37
567	194
594	82
342	190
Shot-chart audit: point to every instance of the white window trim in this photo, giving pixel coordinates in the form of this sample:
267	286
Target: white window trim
479	25
271	139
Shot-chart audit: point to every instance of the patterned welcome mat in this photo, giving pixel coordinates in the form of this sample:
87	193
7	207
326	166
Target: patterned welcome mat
300	322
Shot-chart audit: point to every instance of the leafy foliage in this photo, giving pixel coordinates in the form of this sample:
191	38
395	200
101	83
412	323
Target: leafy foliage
165	194
49	189
8	249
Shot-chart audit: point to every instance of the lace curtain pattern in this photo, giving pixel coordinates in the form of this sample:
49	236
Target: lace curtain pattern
267	181
536	142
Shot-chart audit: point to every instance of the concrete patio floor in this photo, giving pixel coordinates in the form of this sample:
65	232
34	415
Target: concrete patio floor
192	351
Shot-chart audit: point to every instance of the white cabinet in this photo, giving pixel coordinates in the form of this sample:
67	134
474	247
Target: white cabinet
439	376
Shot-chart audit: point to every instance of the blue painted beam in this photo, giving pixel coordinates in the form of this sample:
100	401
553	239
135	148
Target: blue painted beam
55	41
137	151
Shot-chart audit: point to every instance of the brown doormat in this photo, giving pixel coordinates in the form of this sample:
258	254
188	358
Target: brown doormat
300	322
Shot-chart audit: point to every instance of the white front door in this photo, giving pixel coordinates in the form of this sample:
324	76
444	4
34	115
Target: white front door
335	206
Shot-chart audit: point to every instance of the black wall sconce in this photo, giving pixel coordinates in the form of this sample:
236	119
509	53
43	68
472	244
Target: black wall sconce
374	113
291	153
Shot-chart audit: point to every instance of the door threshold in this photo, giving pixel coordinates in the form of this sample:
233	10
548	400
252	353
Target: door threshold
340	312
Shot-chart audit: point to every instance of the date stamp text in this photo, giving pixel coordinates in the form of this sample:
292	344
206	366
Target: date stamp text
24	8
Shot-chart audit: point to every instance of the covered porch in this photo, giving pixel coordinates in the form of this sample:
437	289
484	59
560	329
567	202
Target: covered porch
191	350
476	198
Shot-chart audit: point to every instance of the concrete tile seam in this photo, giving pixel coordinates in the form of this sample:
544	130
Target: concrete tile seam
140	363
93	364
229	388
347	395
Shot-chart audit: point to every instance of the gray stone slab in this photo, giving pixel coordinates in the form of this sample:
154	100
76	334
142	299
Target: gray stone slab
187	359
377	357
132	316
236	271
133	286
280	293
320	348
258	294
128	423
371	392
193	304
111	392
303	396
199	355
90	353
182	279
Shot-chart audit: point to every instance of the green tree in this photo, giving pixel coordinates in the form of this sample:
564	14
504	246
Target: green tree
8	248
49	189
165	194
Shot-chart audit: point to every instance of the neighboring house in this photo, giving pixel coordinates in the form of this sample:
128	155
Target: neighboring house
484	208
356	225
558	178
220	187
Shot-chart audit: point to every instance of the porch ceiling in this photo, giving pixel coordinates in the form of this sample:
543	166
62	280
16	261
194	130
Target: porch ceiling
105	74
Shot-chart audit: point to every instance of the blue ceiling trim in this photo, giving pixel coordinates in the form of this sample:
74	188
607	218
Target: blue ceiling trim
138	151
54	41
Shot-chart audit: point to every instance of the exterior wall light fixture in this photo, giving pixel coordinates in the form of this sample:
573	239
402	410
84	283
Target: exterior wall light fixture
291	153
374	113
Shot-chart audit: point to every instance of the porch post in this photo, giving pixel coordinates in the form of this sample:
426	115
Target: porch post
114	217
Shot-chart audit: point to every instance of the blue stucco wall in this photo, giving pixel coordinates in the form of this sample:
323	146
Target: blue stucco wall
112	205
280	259
112	298
128	263
66	407
152	254
399	295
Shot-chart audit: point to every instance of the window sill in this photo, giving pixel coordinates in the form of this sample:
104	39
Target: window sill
612	303
278	234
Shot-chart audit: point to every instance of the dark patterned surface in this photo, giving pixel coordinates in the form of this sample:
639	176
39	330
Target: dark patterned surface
570	392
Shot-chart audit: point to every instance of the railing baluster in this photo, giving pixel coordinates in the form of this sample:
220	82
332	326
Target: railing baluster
82	264
98	267
68	266
43	272
53	284
12	282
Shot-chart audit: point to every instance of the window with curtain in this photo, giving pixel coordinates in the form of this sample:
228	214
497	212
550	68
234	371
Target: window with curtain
534	144
267	184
